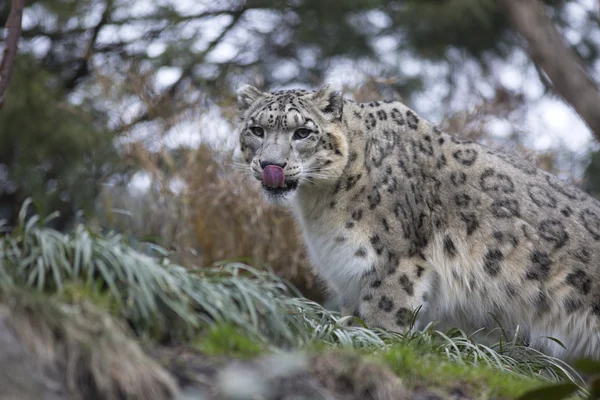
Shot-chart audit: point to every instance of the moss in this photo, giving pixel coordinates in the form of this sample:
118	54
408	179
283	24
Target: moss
227	340
77	293
419	368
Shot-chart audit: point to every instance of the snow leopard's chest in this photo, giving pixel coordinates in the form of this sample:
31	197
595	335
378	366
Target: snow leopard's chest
340	256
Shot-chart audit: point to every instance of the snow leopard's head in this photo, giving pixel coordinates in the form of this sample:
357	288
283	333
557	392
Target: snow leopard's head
292	139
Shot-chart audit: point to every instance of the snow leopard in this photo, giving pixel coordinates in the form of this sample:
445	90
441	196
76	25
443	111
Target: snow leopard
399	216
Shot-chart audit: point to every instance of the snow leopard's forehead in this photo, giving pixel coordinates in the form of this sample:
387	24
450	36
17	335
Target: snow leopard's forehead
284	109
280	100
291	93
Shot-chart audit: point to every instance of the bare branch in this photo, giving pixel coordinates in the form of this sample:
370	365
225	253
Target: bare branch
36	31
171	91
83	68
13	26
180	18
556	59
152	20
224	32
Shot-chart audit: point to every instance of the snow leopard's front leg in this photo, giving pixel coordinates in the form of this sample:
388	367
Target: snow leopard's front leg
390	295
349	297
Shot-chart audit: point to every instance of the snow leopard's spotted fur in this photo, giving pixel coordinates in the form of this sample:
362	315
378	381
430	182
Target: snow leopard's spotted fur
397	214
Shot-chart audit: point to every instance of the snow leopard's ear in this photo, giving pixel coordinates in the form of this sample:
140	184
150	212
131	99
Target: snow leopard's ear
329	101
247	95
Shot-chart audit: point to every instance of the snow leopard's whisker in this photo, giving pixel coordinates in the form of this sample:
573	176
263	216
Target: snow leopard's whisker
309	180
238	166
322	177
319	173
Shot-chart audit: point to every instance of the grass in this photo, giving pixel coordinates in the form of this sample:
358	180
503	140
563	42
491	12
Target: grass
421	367
219	214
234	310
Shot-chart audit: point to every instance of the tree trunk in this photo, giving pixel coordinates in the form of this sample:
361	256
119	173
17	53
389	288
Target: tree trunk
13	25
548	50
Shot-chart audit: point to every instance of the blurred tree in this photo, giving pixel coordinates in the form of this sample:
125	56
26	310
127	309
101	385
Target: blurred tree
591	177
210	47
562	66
13	34
50	149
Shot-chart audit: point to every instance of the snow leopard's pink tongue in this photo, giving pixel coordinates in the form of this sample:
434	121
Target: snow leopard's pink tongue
273	176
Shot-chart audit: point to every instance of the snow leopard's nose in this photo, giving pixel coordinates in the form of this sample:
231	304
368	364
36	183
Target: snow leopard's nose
264	164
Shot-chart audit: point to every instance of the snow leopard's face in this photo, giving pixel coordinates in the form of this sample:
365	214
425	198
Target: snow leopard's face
291	139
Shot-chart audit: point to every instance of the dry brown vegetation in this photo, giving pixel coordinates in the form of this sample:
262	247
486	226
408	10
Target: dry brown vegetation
219	215
231	219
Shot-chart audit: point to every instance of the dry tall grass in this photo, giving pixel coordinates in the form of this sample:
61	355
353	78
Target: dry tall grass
232	219
219	214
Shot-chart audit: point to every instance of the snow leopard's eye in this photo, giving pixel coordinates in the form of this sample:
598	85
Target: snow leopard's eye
257	131
301	133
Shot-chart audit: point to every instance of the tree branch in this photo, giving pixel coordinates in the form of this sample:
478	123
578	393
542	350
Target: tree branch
153	19
36	31
13	26
171	91
224	32
561	65
83	68
180	18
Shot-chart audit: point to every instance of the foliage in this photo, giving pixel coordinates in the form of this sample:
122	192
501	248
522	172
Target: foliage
451	23
165	302
418	365
49	146
158	215
566	390
285	35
